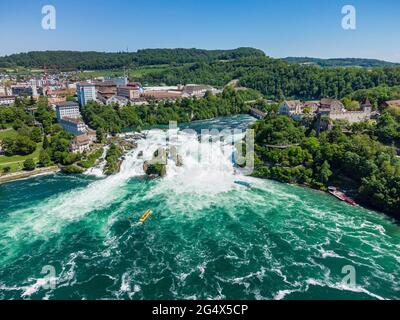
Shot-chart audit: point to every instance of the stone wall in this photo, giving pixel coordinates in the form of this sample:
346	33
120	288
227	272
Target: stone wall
351	116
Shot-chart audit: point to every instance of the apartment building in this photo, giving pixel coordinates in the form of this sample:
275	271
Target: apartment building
67	110
69	116
86	92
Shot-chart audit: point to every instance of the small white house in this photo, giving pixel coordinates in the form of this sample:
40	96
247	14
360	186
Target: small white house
80	144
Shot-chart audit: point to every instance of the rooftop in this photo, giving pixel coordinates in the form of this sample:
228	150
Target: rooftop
72	120
68	104
86	84
7	97
393	103
128	87
293	103
81	139
162	94
107	83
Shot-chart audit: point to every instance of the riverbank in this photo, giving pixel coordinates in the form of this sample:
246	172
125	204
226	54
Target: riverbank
27	174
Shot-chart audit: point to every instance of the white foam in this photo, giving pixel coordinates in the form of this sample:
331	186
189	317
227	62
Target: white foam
98	170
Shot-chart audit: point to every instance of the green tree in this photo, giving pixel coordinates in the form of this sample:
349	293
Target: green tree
388	129
324	173
36	134
44	158
29	164
6	169
20	145
45	142
99	135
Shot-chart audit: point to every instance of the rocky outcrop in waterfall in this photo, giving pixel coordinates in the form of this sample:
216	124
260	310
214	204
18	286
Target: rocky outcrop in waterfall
157	167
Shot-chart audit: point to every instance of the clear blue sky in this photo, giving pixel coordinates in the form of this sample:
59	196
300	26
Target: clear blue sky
280	28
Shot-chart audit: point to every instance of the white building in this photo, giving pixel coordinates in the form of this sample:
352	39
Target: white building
7	100
68	110
292	108
69	116
74	126
80	143
196	90
86	92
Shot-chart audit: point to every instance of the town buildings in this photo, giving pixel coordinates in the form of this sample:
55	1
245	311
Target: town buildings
111	90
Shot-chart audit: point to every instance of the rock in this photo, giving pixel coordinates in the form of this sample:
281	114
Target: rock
140	154
154	170
157	167
146	165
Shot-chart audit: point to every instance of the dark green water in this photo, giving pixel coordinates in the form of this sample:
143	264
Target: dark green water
207	238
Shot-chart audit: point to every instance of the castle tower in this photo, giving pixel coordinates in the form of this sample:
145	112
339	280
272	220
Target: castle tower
366	106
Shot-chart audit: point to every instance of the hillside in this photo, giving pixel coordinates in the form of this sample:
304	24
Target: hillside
278	79
341	62
92	60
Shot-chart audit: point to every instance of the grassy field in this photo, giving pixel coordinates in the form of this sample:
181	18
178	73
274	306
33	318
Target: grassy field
16	162
8	133
134	73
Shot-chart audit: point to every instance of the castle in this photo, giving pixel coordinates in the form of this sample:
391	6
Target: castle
332	108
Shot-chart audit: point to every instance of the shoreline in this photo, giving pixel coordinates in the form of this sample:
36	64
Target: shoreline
27	174
360	204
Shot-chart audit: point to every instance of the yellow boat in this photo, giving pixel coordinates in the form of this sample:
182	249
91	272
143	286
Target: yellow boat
145	216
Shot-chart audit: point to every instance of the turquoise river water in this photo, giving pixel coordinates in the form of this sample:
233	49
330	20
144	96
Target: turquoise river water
208	237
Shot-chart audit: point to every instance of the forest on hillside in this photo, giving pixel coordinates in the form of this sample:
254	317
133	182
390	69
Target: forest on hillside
342	62
279	80
363	161
92	60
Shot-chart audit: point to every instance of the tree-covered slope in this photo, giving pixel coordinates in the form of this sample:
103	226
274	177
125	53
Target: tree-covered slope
341	62
103	60
278	79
